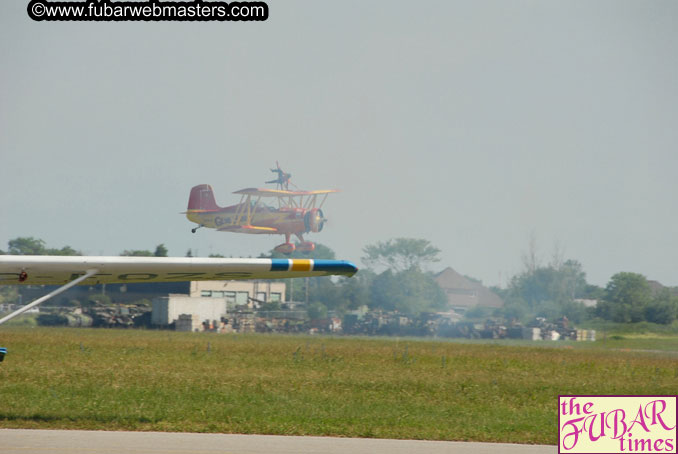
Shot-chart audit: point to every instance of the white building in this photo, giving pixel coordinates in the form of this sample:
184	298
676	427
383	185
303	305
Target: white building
167	309
212	300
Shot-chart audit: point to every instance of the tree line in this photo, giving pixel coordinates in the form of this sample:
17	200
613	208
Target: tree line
396	279
401	286
560	289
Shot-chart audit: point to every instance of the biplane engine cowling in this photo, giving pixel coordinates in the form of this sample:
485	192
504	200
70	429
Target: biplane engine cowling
314	220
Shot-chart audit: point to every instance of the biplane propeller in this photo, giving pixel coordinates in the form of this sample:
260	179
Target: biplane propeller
297	213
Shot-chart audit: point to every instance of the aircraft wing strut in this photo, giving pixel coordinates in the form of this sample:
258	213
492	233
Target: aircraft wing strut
42	299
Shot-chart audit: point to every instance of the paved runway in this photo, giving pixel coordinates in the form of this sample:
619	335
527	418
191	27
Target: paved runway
14	441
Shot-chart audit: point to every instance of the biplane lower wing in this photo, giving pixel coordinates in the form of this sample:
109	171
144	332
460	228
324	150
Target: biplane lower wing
68	271
247	229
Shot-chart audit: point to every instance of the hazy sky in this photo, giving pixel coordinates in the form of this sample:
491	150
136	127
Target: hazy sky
473	124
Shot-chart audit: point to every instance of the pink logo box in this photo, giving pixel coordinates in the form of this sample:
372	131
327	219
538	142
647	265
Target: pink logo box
617	424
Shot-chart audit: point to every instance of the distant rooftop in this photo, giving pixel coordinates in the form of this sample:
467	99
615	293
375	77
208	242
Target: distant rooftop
658	287
465	293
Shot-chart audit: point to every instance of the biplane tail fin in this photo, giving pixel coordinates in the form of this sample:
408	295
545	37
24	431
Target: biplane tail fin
202	198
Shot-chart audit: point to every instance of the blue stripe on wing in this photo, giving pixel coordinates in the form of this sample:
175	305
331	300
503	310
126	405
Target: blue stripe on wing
280	264
335	267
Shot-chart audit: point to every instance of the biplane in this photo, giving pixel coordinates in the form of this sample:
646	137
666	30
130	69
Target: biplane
296	213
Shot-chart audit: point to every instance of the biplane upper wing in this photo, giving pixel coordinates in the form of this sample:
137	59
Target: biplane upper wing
68	271
281	192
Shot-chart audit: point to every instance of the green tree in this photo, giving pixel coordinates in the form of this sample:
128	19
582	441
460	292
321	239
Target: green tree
26	246
66	250
551	294
353	292
35	246
136	253
160	251
575	311
571	282
627	296
385	291
409	292
515	308
320	289
401	254
338	295
317	311
663	308
560	284
593	292
547	291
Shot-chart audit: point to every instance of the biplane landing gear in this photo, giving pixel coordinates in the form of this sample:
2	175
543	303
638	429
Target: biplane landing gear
306	247
285	248
196	228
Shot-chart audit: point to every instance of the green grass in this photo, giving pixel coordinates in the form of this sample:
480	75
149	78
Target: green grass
21	320
299	385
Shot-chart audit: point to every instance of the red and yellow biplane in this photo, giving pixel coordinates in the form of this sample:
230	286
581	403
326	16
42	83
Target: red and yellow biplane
297	213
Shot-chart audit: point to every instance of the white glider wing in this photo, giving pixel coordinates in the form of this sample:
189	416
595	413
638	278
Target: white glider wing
50	270
68	271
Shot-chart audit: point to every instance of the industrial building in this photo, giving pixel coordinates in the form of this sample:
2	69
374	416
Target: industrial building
240	292
210	301
167	309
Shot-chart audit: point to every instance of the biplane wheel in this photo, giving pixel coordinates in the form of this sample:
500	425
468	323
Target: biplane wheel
285	248
306	247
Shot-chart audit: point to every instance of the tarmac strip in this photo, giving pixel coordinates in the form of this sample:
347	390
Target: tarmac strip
23	441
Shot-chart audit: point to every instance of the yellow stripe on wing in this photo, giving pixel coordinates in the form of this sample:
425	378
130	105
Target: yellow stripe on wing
301	265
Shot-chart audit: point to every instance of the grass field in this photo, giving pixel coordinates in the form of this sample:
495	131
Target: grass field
297	385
